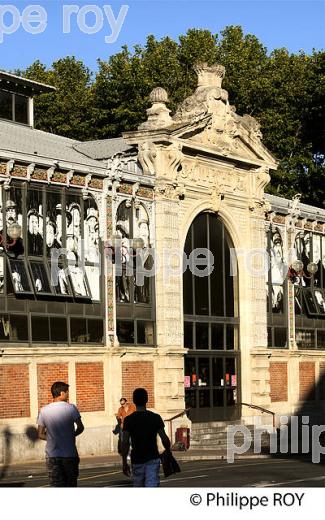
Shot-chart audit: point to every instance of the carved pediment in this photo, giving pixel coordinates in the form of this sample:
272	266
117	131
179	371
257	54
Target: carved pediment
227	133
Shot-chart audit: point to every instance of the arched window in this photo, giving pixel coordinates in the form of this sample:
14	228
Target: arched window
211	322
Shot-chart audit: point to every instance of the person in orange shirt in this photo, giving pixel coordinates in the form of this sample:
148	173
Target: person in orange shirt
124	410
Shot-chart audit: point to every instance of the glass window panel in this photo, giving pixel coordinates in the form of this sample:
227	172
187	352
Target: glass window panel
21	109
40	278
141	225
78	330
145	333
303	250
280	337
188	334
310	302
190	398
2	274
202	335
230	283
217	275
54	222
142	278
277	299
4	327
18	328
78	277
230	372
269	337
59	279
13	211
278	269
35	224
321	339
58	330
190	370
125	331
201	295
217	336
298	301
218	397
320	300
123	220
95	331
217	372
317	259
6	105
91	231
40	328
231	337
188	278
322	267
73	225
230	397
93	276
1	217
305	339
123	287
203	372
201	283
19	276
204	398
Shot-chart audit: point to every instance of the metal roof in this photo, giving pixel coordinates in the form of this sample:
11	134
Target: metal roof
283	205
104	148
11	81
17	138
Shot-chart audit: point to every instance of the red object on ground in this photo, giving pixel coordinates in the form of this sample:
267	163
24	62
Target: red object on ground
183	435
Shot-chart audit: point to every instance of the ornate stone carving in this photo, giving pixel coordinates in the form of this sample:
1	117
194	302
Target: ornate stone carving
262	179
175	191
294	212
158	114
147	154
174	158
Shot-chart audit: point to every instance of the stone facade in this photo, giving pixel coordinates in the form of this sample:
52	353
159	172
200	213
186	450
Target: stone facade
205	158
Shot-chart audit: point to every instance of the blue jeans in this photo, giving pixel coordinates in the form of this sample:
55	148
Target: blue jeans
147	474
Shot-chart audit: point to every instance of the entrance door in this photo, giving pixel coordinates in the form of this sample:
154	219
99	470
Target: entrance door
211	387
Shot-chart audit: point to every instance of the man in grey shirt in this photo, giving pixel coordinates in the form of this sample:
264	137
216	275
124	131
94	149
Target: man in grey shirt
56	425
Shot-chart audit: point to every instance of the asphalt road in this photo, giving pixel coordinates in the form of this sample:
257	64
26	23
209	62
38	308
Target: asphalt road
243	473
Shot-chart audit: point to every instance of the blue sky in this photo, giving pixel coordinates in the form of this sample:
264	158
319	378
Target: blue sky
295	24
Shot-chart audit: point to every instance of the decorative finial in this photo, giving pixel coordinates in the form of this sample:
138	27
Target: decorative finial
158	95
209	75
158	114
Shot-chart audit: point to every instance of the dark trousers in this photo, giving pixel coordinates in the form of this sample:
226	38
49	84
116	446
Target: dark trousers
63	471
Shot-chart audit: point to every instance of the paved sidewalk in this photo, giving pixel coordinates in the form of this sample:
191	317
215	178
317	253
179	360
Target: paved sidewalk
114	460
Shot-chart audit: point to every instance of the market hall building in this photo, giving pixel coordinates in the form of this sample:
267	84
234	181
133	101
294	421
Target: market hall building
211	332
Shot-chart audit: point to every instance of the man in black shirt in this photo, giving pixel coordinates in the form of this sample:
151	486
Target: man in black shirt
142	428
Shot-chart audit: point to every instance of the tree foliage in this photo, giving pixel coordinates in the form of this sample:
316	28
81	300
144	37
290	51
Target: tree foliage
284	91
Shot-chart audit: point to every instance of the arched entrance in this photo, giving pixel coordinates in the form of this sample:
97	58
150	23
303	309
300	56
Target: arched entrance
211	325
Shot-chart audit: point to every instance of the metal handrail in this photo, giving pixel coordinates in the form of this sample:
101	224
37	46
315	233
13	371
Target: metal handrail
179	414
175	417
261	409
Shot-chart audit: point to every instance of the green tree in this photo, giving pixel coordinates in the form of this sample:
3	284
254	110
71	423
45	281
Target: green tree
284	91
67	111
